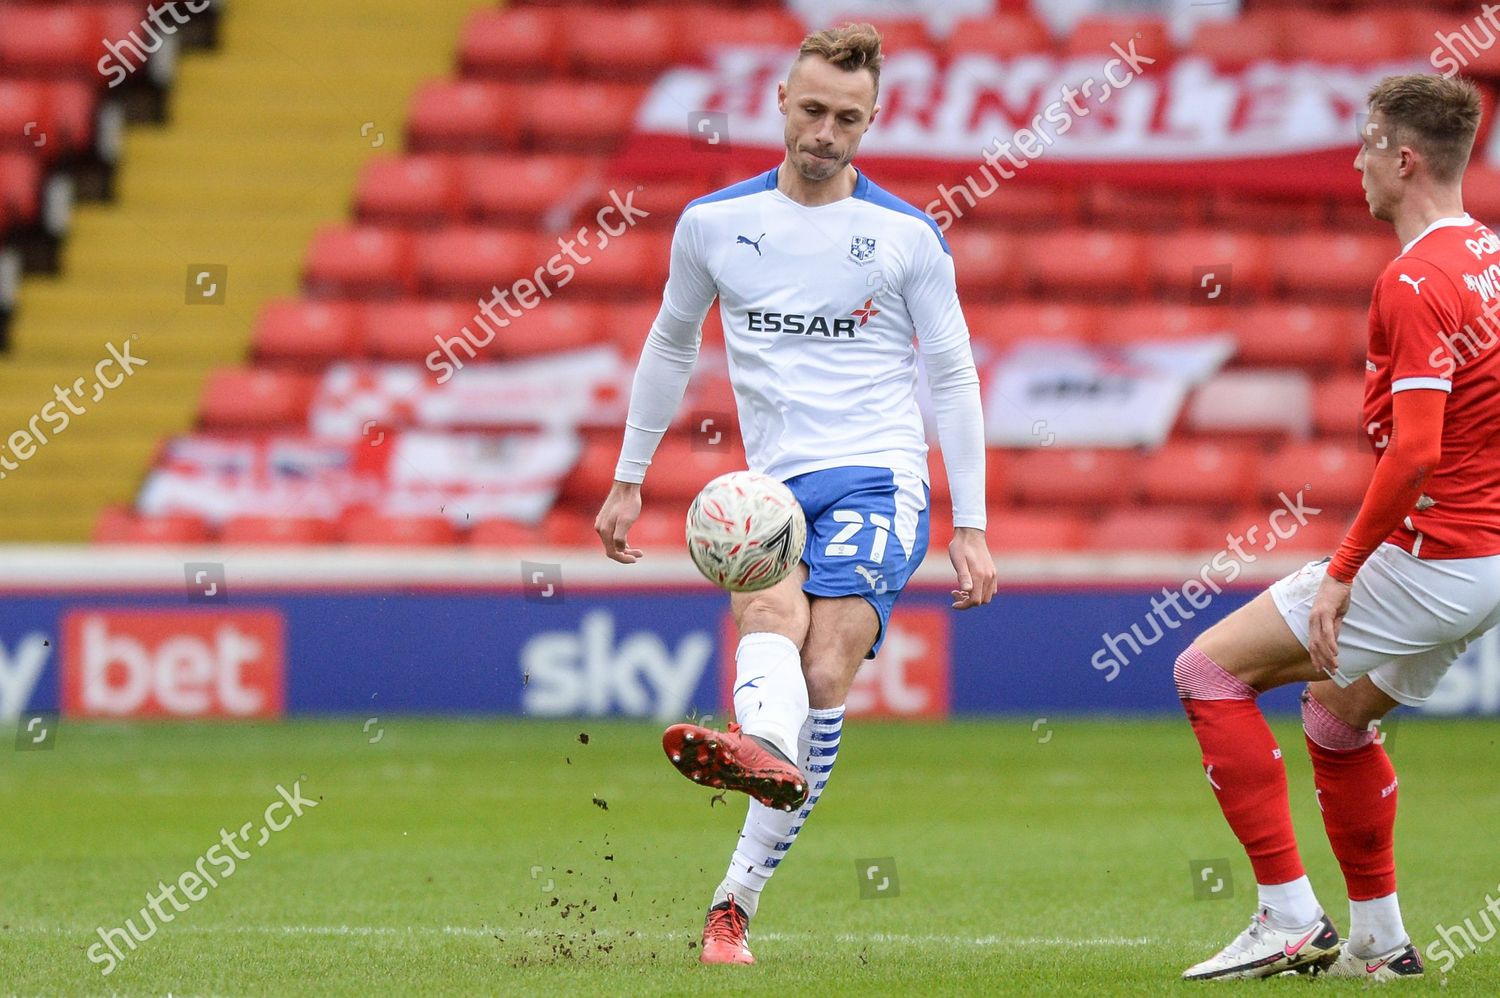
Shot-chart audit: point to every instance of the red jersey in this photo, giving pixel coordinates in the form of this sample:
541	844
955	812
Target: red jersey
1435	323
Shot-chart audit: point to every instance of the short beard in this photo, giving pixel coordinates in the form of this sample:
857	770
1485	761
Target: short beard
834	169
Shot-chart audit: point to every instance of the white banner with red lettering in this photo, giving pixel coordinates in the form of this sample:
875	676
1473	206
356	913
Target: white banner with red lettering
1045	393
463	476
580	389
1271	127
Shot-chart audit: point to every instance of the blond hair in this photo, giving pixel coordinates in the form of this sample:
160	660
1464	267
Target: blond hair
851	47
1436	115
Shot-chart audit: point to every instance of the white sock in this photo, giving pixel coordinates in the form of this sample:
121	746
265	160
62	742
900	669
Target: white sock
1291	905
1375	927
770	692
769	833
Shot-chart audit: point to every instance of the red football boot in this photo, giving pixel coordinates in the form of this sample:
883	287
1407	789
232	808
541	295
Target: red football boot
726	934
730	760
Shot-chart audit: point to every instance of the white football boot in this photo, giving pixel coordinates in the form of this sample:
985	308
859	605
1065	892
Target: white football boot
1404	961
1263	950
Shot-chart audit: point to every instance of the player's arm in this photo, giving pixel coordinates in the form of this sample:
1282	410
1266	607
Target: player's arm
943	337
661	378
1422	366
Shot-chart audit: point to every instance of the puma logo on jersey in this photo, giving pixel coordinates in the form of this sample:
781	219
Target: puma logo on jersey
1415	285
750	242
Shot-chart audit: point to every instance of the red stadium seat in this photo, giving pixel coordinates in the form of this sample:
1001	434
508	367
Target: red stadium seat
1149	322
1112	206
574	116
1263	404
553	328
1089	262
277	530
626	324
359	261
505	534
1233	43
1229	209
464	116
469	261
661	528
742	24
1193	264
1052	475
411	190
1001	36
47	120
592	475
681	468
1338	407
1150	531
940	529
937	474
313	332
255	398
1320	535
662	198
1332	262
566	527
409	330
54	40
1207	474
383	530
637	260
1296	335
1023	530
629	43
510	189
1334	474
513	43
986	261
1094	35
20	191
1358	39
1003	325
1013	203
119	525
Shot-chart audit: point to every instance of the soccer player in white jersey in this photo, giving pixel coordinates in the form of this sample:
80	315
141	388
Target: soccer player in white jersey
824	368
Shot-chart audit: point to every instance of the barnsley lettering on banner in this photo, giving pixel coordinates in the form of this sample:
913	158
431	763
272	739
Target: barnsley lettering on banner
950	110
1073	395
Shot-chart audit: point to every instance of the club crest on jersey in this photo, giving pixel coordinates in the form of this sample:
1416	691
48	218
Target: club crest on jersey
862	249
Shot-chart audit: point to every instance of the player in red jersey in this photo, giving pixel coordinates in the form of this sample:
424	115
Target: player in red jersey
1414	581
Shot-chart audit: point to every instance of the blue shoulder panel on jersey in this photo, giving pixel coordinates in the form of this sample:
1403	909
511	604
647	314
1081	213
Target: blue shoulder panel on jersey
756	184
865	190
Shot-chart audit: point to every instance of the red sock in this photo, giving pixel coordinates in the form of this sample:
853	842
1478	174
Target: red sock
1243	764
1357	794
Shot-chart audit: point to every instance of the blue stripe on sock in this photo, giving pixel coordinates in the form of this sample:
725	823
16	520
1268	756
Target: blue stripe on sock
823	750
825	736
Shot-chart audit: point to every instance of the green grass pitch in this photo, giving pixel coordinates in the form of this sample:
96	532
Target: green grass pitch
1053	861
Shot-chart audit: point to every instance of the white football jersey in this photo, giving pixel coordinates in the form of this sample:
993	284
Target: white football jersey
821	307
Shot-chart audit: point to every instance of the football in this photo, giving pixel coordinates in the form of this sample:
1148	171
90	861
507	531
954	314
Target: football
745	531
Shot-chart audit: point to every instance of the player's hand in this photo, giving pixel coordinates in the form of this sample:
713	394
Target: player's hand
622	507
1328	610
975	566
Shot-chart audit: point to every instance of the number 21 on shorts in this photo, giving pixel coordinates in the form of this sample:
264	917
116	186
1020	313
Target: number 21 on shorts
853	520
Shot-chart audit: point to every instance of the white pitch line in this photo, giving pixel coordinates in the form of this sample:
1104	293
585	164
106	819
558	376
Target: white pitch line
853	938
